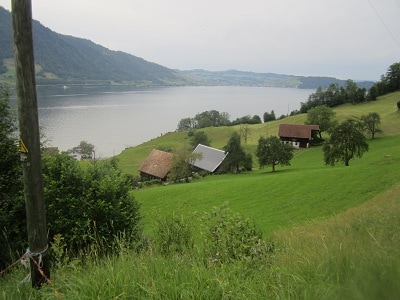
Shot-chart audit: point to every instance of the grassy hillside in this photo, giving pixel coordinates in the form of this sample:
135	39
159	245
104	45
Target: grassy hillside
305	191
334	231
131	158
294	195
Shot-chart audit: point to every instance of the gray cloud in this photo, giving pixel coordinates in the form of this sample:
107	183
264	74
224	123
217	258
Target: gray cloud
355	39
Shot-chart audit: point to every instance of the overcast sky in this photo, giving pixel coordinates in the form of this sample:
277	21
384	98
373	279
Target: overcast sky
347	39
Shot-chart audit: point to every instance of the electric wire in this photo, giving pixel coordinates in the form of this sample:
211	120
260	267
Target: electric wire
384	24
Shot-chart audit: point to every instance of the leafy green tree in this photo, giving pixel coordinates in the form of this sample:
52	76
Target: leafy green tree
182	164
256	119
321	115
373	92
370	123
236	154
200	137
248	162
211	118
269	116
87	150
12	205
246	120
271	152
89	203
345	143
186	124
392	79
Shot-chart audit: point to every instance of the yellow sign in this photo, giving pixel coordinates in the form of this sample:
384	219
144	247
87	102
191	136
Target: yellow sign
22	147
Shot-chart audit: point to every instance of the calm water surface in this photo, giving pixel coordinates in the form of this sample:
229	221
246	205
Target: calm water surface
114	119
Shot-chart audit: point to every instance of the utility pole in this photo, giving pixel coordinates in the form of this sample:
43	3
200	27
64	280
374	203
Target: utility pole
30	141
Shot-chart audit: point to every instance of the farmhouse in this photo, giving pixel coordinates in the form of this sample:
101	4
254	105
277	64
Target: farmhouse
210	159
297	135
156	165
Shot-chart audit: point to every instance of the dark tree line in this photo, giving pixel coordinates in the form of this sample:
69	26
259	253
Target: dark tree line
214	118
388	83
335	95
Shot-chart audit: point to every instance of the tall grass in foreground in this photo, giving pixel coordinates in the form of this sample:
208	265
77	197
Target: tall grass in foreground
354	255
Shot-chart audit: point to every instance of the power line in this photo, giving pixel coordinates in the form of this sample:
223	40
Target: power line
384	24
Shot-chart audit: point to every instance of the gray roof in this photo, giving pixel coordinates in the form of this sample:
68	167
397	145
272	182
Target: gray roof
211	158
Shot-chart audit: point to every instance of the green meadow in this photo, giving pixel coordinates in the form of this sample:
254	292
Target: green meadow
334	230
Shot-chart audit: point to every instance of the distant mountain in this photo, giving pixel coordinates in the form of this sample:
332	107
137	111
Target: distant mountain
234	77
62	59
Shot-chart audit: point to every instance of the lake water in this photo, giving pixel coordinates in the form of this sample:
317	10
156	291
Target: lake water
113	119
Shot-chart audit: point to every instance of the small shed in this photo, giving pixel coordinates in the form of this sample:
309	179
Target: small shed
298	135
211	158
157	165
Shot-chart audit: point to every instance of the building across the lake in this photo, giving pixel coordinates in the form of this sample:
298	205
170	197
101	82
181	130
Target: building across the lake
299	136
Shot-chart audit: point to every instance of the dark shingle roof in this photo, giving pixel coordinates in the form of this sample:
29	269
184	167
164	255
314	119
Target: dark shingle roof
157	164
211	158
297	131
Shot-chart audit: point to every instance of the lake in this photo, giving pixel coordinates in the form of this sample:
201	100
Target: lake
113	119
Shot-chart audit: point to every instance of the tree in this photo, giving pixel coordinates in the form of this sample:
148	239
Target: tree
182	164
244	131
200	137
212	118
86	150
256	119
398	105
269	116
392	79
271	152
236	154
370	123
186	124
321	115
345	143
12	206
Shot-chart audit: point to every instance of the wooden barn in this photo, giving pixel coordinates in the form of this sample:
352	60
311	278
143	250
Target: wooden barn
299	136
157	165
211	158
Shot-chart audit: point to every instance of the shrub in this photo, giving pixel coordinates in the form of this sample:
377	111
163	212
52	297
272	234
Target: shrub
230	237
174	236
88	203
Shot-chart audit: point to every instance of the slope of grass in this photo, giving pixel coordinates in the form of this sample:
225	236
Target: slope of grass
293	195
334	230
353	255
131	158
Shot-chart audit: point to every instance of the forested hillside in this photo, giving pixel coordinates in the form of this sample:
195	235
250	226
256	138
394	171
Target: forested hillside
61	58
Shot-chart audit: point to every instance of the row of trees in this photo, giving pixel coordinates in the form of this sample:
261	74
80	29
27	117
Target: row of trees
214	118
336	95
390	82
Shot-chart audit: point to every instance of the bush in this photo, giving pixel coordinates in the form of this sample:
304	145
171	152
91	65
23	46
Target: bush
13	232
88	203
230	237
174	236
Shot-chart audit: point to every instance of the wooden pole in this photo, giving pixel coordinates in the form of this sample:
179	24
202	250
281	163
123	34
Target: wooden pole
30	141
